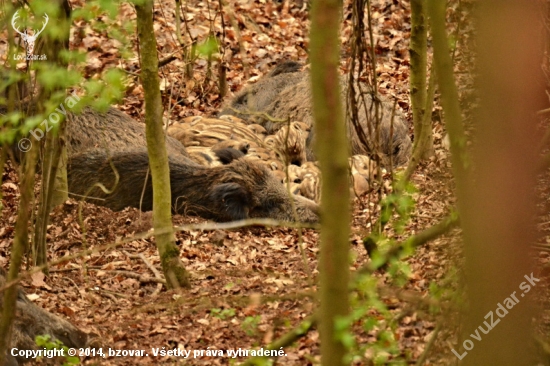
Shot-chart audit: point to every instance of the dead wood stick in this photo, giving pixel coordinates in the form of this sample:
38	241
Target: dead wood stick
140	278
151	267
422	358
54	270
245	223
418	298
111	295
286	340
167	60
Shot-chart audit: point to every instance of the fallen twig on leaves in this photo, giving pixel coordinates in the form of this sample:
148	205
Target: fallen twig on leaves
286	340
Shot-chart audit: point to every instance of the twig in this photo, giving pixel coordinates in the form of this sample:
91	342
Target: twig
542	247
209	302
111	295
129	72
544	347
245	223
543	163
166	61
424	355
412	242
294	212
74	284
140	278
233	20
54	270
178	22
286	340
421	143
152	268
409	296
108	295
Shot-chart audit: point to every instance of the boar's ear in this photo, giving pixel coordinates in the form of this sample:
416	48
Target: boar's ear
233	198
228	154
241	99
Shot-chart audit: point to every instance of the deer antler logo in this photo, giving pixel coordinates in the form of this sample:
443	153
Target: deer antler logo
27	38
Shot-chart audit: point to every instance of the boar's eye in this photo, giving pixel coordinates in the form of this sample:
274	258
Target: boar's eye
243	99
396	150
233	199
272	202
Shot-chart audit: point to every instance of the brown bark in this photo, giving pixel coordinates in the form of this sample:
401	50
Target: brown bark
496	199
423	140
54	189
449	93
423	143
18	250
332	152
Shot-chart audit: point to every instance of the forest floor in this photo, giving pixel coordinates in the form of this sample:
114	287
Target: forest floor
249	286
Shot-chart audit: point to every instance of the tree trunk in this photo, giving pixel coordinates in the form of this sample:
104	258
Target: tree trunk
425	139
449	93
496	204
174	271
332	152
18	249
54	186
60	192
418	52
49	170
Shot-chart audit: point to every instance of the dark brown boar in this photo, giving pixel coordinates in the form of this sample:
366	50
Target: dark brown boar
112	130
287	95
239	190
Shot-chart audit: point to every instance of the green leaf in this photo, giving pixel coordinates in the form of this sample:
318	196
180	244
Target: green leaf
369	324
111	7
208	47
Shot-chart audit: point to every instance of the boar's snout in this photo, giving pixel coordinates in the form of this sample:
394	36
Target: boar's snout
307	209
274	201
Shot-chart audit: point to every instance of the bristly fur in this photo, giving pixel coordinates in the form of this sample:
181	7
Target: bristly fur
242	189
285	94
112	130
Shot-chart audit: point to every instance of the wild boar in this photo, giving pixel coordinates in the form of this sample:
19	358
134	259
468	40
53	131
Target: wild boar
112	130
285	94
239	190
